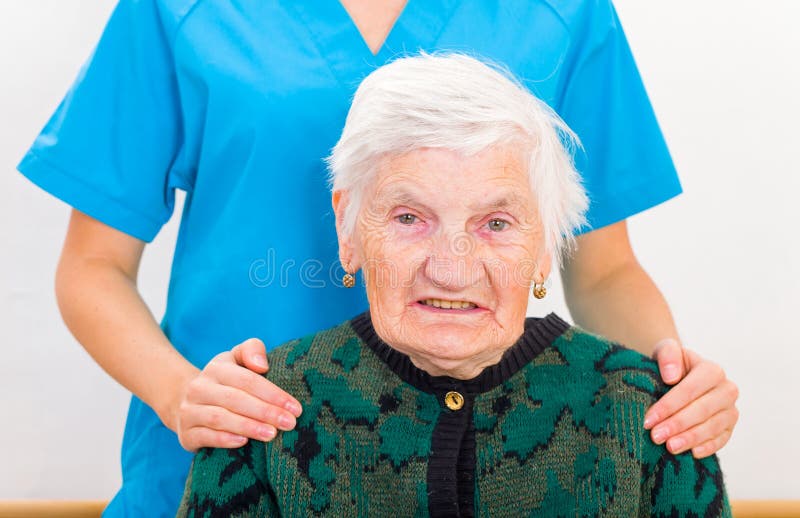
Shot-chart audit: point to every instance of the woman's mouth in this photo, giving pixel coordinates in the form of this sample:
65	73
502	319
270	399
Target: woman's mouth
449	304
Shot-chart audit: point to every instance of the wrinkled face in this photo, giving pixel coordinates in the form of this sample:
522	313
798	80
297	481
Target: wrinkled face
449	246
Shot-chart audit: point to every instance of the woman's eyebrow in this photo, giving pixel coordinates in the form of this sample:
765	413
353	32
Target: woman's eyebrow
402	197
505	201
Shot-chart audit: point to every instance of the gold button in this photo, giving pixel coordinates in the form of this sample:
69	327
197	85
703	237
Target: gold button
454	400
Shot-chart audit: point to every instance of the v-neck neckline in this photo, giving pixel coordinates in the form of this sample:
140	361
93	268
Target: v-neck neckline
386	36
342	46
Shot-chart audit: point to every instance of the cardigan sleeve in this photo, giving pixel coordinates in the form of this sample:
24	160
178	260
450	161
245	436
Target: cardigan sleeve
680	485
228	483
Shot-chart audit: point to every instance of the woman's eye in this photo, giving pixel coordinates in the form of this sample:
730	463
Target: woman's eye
406	219
496	225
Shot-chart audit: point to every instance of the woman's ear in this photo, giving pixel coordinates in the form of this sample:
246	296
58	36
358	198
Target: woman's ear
348	254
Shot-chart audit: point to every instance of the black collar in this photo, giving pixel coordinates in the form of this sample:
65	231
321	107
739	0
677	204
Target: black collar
539	333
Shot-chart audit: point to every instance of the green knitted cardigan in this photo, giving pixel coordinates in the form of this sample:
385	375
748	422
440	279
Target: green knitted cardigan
554	429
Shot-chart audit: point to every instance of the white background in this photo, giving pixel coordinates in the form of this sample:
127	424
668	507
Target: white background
724	77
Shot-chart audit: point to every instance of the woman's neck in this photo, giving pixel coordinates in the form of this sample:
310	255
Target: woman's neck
462	370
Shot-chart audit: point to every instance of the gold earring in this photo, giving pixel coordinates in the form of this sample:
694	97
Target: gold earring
539	291
348	279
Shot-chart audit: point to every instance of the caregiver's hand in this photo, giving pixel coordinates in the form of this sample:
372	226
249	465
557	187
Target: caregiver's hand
228	401
698	413
609	293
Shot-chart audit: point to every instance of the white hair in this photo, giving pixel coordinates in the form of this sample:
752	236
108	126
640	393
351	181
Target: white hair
457	102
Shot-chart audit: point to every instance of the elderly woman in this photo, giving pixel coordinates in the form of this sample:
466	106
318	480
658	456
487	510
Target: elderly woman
454	193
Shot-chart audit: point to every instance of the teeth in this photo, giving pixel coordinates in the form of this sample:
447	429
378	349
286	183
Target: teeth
449	304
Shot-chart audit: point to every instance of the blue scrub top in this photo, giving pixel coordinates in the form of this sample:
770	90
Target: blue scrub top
237	103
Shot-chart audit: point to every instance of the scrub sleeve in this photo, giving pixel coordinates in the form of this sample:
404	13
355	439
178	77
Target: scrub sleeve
110	149
237	102
625	162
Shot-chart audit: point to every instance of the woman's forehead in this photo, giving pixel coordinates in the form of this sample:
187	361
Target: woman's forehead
498	174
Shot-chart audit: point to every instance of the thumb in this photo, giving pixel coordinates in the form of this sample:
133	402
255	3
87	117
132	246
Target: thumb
252	354
669	355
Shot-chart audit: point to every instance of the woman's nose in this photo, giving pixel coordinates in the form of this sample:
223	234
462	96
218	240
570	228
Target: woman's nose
453	263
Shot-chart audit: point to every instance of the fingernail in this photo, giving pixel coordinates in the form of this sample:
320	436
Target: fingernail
286	422
701	452
260	361
676	444
660	434
650	420
670	372
294	408
238	439
266	432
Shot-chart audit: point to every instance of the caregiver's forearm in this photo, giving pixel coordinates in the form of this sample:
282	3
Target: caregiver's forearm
103	309
609	293
626	307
